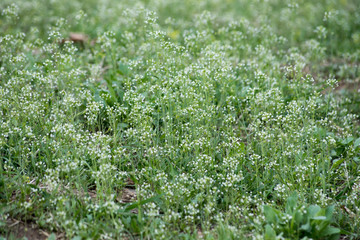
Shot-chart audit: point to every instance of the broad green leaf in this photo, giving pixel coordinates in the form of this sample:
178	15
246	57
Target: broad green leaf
291	204
298	217
333	153
319	226
313	210
123	69
319	218
357	143
270	233
135	225
330	231
52	237
347	140
137	204
329	212
306	227
337	162
270	214
123	125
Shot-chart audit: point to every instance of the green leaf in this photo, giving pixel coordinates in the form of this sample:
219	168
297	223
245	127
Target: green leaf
123	125
291	203
298	217
52	237
344	232
337	162
135	225
347	140
270	214
306	227
333	153
137	204
33	186
123	69
357	143
270	233
126	221
111	92
319	218
329	212
330	231
313	210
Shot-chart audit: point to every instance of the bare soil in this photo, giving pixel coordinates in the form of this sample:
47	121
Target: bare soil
19	229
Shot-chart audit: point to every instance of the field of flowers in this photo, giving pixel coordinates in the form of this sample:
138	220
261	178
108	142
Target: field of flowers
180	119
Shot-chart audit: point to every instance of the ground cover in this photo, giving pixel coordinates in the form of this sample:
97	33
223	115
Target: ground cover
179	119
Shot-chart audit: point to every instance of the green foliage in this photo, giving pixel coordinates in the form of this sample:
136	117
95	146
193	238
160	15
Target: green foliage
299	222
201	110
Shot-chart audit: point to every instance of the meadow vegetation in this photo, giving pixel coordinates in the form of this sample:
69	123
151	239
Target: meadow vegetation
180	119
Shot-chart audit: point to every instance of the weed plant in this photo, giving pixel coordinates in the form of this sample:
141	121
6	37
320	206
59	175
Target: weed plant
214	111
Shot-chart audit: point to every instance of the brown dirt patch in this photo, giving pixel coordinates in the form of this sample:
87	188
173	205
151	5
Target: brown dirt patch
349	86
21	229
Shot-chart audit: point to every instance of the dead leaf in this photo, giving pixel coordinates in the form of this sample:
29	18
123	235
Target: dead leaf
78	37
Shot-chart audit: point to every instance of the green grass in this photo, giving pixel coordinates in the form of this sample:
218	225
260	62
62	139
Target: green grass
217	114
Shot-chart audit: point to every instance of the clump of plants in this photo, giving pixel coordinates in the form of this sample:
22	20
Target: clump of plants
300	222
